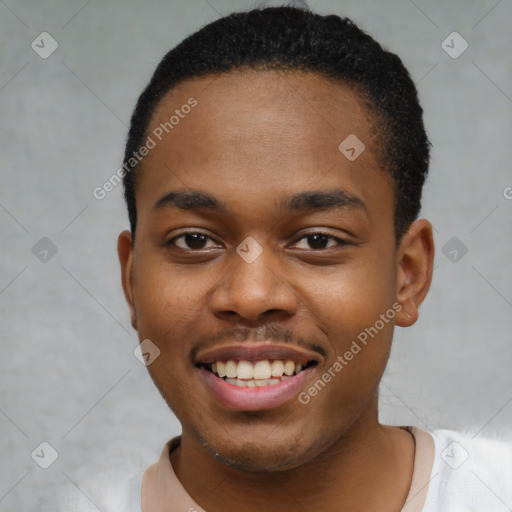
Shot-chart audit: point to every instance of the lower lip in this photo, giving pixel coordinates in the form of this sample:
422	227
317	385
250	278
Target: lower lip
254	399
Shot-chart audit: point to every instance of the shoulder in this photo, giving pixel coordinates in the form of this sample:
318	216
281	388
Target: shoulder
470	470
109	492
110	481
124	493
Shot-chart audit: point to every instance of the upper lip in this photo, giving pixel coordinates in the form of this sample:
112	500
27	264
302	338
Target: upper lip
257	352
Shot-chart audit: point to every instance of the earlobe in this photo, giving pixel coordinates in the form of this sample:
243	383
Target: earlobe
125	252
415	266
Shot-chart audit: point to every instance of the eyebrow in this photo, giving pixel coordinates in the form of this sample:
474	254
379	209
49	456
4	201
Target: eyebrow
321	200
302	202
193	200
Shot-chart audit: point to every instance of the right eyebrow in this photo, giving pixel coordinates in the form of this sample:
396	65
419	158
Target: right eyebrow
192	200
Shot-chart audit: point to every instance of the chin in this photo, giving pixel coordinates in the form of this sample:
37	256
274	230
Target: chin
253	459
262	456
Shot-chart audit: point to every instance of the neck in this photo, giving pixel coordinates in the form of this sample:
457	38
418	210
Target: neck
370	466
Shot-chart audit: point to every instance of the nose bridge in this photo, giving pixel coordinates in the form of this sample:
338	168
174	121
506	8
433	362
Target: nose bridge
253	284
254	266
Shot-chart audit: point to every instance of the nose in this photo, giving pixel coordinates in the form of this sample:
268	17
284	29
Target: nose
252	290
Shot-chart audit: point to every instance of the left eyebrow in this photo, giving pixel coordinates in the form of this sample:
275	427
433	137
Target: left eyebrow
302	202
321	200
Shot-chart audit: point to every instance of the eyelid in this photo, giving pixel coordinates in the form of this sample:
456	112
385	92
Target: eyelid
171	240
339	241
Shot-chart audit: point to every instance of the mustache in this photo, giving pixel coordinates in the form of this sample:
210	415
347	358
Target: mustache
272	332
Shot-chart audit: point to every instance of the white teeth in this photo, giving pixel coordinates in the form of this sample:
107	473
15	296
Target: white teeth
250	374
262	370
289	367
244	370
231	368
277	368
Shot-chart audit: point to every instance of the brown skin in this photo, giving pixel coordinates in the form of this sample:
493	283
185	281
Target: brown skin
254	138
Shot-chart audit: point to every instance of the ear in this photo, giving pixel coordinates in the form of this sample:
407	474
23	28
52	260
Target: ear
415	265
125	253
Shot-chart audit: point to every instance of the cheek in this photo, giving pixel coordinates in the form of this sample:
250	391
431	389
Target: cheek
354	296
164	297
168	304
355	308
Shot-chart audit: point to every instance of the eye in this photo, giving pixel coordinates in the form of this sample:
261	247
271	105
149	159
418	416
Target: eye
190	241
319	241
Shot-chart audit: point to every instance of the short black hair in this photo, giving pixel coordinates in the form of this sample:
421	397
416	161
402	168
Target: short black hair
293	39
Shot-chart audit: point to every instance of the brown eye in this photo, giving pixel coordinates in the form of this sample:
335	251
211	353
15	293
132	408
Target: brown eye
190	241
320	241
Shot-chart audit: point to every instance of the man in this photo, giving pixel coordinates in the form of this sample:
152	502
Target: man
273	176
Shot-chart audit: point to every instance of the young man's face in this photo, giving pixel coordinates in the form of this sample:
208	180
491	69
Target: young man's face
258	145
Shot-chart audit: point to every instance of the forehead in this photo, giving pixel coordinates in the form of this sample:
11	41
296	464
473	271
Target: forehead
319	110
261	128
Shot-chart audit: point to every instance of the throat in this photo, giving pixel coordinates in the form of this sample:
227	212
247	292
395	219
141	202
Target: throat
376	472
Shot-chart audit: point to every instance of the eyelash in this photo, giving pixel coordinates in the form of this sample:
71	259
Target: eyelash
340	242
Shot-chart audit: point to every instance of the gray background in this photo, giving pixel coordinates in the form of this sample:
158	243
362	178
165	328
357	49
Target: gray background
68	373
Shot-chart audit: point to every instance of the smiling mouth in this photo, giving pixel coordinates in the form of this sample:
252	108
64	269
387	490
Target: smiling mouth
252	374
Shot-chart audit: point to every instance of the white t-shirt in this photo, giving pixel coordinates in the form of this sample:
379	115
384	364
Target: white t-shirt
453	472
